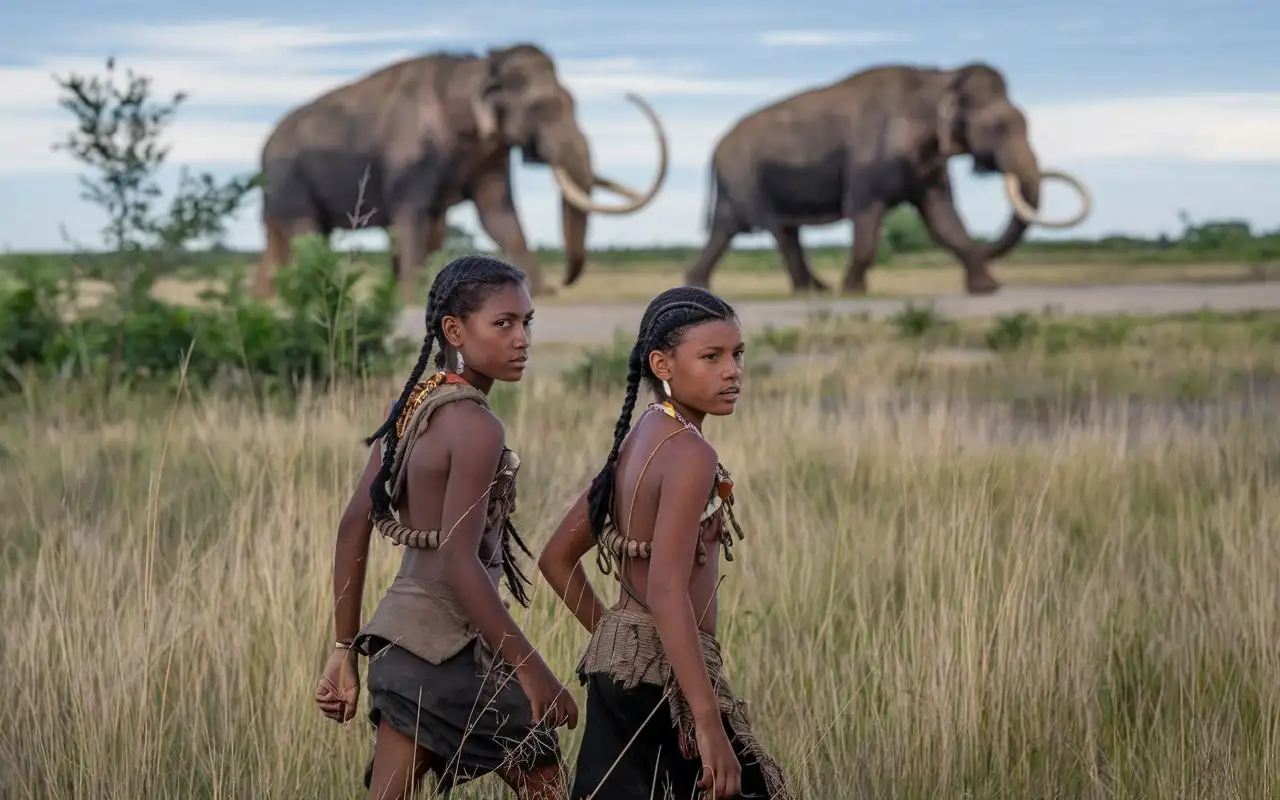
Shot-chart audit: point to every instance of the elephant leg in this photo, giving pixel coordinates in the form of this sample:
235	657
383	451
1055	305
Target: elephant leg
275	254
278	252
866	238
802	278
497	213
699	273
434	225
938	210
395	254
410	248
433	232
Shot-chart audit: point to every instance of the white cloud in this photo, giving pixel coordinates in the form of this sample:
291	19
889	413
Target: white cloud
251	65
230	67
255	41
1217	127
206	83
821	38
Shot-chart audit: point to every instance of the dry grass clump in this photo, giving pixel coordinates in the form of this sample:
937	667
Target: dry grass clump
935	598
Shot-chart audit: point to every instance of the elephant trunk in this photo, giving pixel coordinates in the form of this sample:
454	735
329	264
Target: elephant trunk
1021	169
1022	180
569	154
572	158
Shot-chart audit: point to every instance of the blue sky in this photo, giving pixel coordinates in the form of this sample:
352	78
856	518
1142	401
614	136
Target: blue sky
1157	106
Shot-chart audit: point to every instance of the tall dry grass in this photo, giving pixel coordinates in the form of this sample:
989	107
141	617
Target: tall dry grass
929	602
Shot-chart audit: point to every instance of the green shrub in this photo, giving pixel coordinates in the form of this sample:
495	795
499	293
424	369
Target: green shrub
602	367
322	331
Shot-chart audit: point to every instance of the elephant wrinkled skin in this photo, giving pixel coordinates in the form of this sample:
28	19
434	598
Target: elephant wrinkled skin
856	148
397	148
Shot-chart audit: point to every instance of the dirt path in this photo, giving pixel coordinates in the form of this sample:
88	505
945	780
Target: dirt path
596	323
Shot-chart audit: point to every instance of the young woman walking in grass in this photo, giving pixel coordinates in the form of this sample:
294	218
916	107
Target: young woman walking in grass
443	649
660	718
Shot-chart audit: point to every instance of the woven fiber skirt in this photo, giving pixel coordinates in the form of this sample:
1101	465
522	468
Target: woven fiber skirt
649	764
474	721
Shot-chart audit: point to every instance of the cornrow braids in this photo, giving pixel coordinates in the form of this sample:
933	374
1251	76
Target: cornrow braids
458	291
663	326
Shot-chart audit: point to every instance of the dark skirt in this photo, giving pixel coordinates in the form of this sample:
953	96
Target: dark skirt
472	720
649	764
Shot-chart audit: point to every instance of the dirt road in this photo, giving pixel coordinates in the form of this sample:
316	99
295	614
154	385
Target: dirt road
596	324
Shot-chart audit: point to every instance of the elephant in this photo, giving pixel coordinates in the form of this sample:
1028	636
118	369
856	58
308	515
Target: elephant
397	148
856	148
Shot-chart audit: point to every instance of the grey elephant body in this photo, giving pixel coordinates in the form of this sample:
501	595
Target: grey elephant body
856	148
398	148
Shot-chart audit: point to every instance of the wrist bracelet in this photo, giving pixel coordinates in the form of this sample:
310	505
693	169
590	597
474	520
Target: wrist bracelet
345	645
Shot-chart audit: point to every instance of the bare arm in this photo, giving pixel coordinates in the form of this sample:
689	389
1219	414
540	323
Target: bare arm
559	563
351	553
682	496
474	441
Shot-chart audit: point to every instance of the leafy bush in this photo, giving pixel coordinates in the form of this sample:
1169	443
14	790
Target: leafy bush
322	331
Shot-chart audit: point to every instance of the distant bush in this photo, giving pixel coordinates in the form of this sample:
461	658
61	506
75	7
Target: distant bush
322	331
602	367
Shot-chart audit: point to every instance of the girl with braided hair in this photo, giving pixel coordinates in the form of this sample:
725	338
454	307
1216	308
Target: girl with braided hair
443	649
660	716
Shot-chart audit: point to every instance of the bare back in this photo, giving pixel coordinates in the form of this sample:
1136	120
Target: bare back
435	455
657	450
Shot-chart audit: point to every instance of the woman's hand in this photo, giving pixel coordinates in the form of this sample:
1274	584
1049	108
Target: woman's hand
721	772
549	699
338	693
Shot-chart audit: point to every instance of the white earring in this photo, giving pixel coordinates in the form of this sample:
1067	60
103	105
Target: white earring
461	366
666	388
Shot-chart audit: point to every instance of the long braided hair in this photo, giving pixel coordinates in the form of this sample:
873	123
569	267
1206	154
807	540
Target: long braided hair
457	291
663	326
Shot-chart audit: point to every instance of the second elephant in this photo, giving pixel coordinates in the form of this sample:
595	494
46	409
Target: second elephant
856	148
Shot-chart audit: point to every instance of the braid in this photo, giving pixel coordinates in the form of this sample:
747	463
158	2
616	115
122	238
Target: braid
600	495
378	492
458	290
662	327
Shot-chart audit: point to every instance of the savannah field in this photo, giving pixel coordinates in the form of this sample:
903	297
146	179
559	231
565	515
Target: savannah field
636	275
1028	557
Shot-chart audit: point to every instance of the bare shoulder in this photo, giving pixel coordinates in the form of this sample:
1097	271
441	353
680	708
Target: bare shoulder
687	456
468	427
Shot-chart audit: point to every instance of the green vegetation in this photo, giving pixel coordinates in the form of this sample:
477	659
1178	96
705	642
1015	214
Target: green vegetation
906	246
1026	358
1017	557
986	558
1048	574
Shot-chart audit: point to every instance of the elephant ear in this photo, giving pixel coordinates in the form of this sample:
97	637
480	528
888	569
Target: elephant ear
484	107
948	113
485	104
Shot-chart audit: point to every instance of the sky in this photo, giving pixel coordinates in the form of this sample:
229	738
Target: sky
1158	107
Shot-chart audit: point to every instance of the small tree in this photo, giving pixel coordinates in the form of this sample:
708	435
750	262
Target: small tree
119	135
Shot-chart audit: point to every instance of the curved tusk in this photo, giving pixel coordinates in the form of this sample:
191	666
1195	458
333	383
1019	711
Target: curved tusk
1029	215
620	189
637	200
